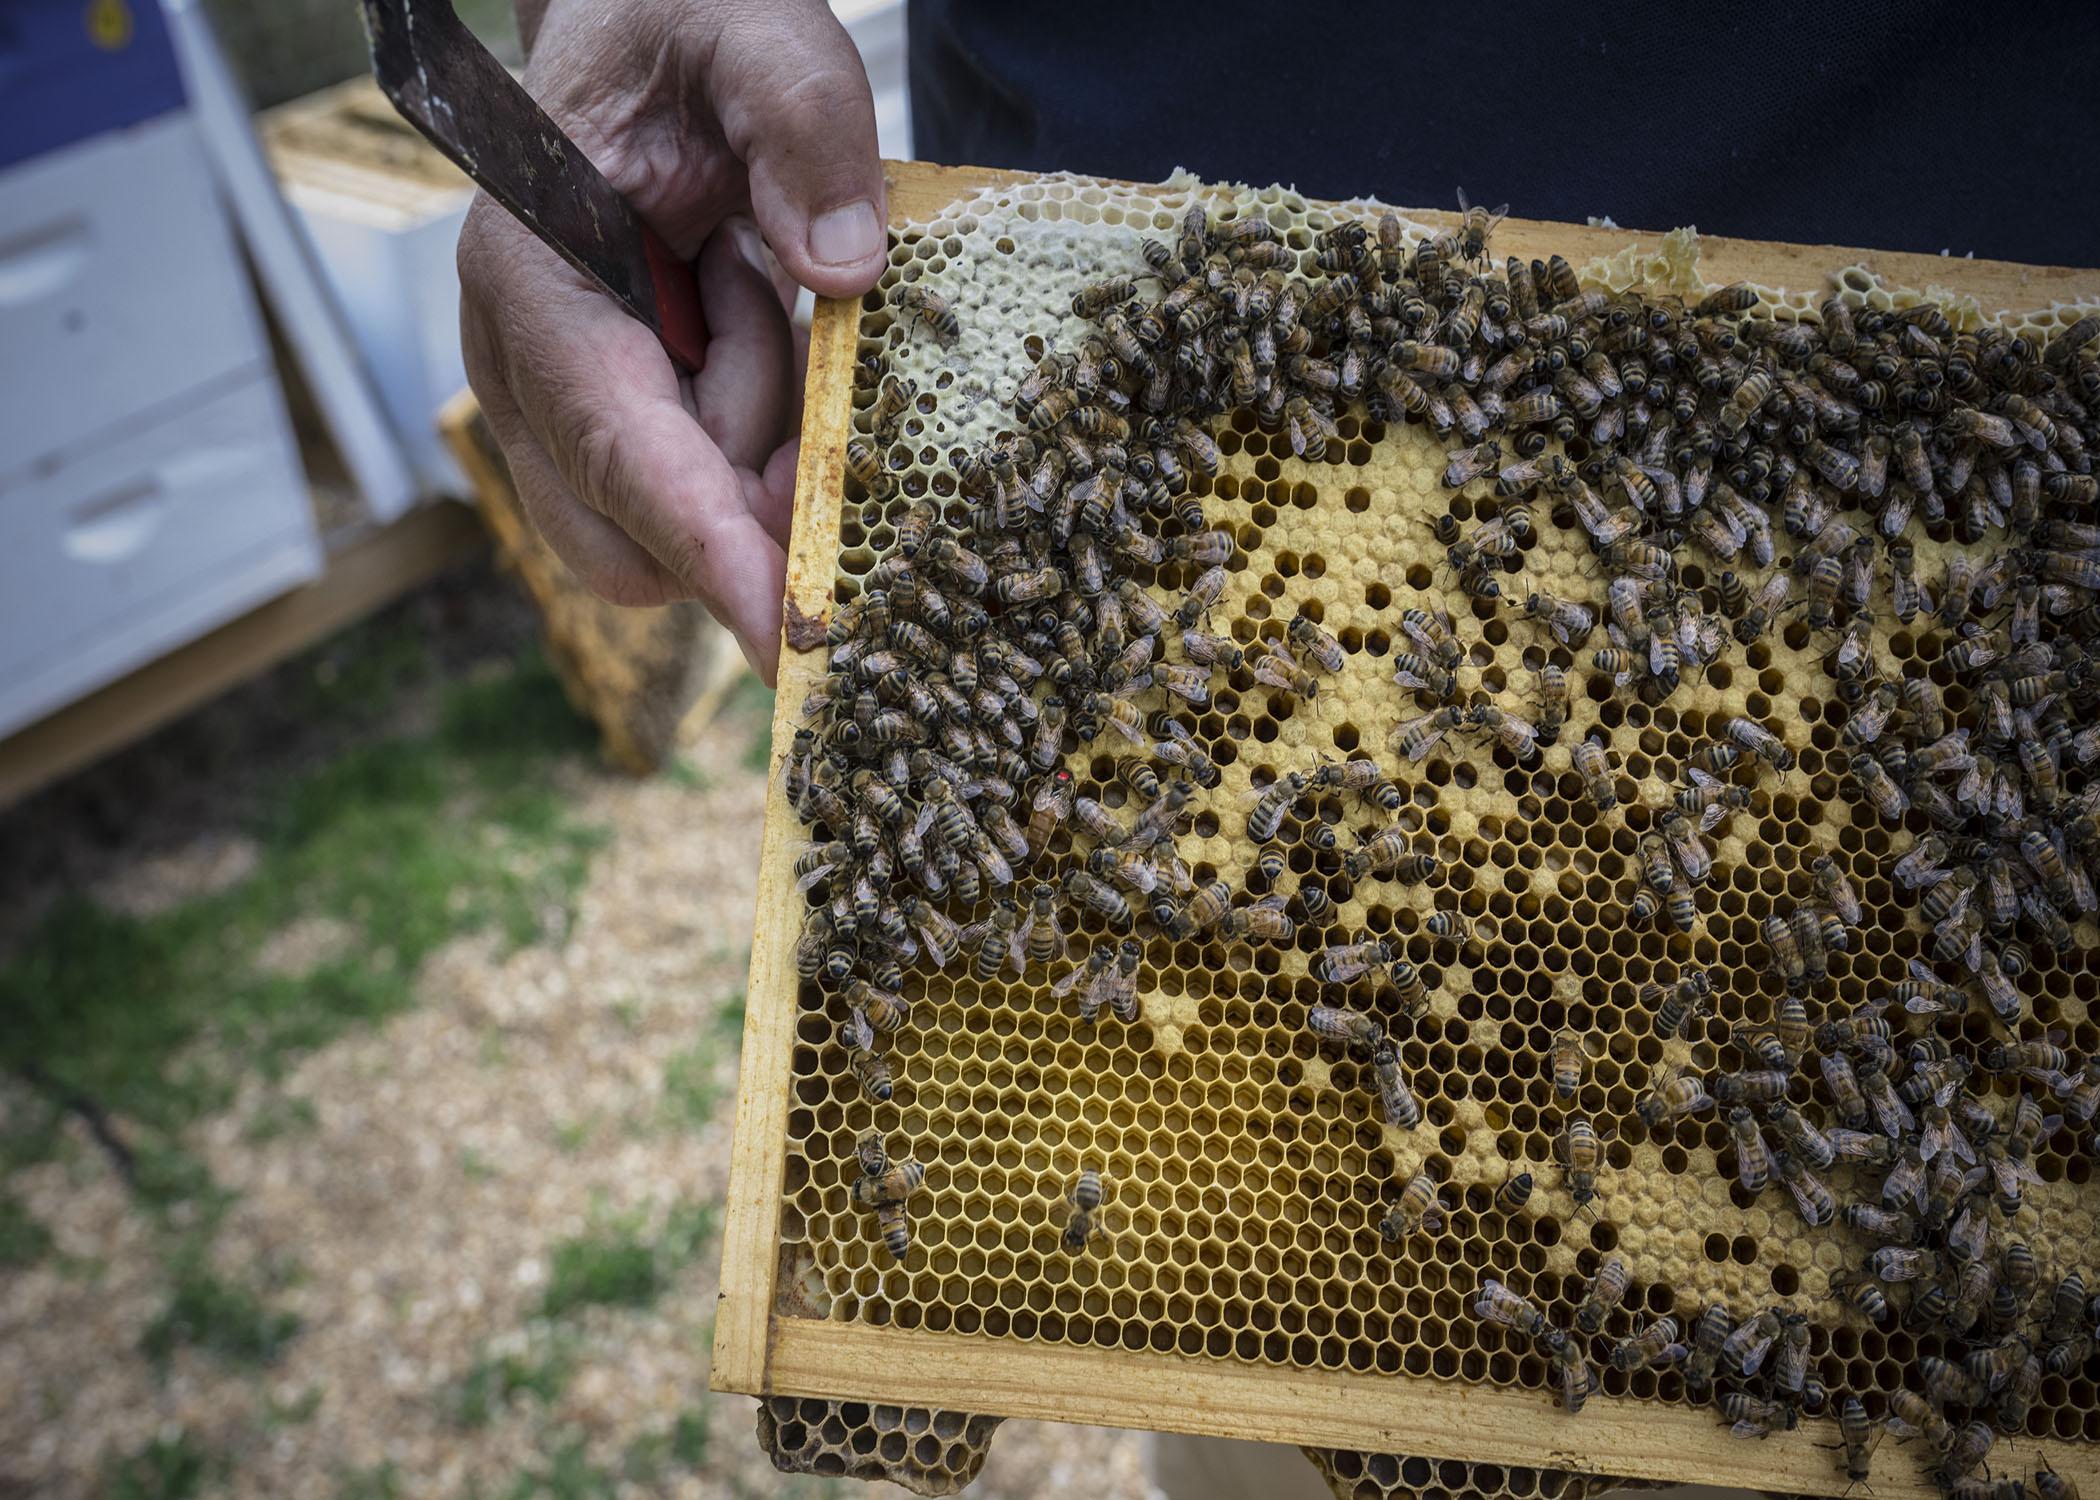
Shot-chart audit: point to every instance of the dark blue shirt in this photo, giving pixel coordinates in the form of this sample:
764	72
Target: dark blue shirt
1944	124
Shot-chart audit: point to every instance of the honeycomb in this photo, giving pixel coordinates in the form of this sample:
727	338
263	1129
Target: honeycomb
1390	1476
928	1452
1245	1164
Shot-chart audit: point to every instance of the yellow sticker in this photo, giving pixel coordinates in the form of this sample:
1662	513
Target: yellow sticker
109	24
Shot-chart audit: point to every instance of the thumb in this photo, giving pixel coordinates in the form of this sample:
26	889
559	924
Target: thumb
788	88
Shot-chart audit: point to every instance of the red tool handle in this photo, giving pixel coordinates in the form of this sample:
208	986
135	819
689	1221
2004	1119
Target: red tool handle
679	323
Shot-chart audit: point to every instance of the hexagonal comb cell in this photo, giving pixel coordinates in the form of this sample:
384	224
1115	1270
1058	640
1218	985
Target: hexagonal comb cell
927	1452
1390	1476
1244	1161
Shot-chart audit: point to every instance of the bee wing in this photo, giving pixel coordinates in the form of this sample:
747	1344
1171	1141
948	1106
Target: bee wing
814	877
941	953
1135	733
1703	778
1017	942
1065	981
1751	1429
1894	1115
923	821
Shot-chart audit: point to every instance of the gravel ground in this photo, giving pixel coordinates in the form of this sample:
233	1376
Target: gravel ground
415	1214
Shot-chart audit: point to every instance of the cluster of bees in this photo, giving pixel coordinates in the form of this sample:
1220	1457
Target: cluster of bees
1075	576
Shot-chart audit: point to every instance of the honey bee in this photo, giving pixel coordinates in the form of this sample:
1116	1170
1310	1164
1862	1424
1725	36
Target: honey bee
1431	630
920	304
1401	1108
1581	1156
895	1227
1274	802
864	465
892	1183
1676	1006
1568	1059
1040	936
1417	737
1207	650
1750	1416
872	1073
1497	1304
1419	1208
1673	1096
1607	1290
1753	1160
1690	850
1709	1335
1277	668
1475	225
1761	742
1351	1028
1576	1379
1196	604
1097	896
1515	735
1419	674
893	397
1316	644
1514	1193
1339	963
1654	1347
1913	1415
1815	1201
1553	703
2049	1484
1592	766
1410	993
1570	623
1085	1203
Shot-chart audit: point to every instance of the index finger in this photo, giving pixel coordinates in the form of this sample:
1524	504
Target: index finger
599	393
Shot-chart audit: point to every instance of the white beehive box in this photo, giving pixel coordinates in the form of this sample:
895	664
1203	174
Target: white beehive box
150	488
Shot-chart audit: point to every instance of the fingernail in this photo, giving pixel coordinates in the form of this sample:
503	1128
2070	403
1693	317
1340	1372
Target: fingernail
751	245
845	236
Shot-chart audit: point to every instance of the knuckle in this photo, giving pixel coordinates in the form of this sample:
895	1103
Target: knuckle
624	584
595	467
688	557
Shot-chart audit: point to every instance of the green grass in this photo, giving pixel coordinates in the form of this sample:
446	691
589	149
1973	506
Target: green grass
413	841
207	1312
690	1091
649	1456
168	1468
614	1266
729	1020
23	1238
380	1482
750	704
492	1382
568	1474
618	1265
278	1116
681	772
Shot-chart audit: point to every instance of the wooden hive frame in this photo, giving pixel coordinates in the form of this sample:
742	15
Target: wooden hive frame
762	1348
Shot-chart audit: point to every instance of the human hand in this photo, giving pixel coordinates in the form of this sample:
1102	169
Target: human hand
706	114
